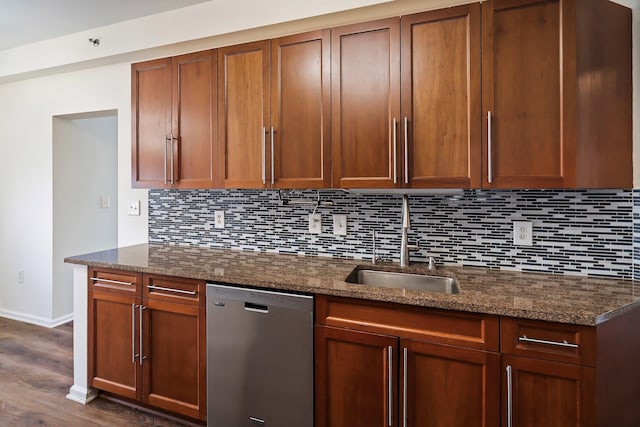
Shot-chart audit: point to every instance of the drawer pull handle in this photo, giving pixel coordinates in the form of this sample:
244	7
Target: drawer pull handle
115	282
557	343
177	291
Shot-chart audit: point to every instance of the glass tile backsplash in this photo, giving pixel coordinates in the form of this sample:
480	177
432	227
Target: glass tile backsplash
578	232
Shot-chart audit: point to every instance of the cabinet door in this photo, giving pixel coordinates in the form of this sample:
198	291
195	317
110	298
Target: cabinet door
174	361
355	378
522	95
365	82
300	111
150	123
194	121
113	343
441	98
449	386
244	119
549	394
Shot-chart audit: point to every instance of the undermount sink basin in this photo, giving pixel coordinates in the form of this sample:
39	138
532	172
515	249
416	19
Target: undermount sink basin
391	279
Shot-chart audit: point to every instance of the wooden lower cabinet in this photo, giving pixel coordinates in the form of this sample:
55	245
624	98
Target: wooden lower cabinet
448	386
547	393
173	368
151	350
112	339
370	379
355	373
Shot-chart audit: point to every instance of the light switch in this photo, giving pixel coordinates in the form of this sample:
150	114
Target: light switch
340	225
105	202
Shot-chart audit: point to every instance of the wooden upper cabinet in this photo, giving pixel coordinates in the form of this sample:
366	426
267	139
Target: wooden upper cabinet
556	94
365	71
244	119
441	111
151	122
174	122
194	120
300	111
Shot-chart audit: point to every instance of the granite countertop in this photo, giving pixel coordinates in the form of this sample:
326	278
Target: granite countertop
567	299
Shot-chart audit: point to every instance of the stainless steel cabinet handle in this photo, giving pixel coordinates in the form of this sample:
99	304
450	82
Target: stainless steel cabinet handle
557	343
406	150
509	397
116	282
177	291
395	153
133	333
405	387
173	175
264	155
489	162
141	357
390	388
166	141
273	170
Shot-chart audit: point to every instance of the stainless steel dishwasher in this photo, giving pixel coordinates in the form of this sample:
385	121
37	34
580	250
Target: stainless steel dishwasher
259	358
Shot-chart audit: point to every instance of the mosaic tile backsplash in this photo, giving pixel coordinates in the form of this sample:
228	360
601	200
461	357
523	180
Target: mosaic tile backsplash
578	232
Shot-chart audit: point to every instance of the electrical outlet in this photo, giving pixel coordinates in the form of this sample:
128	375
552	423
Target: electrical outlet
315	223
340	225
522	233
219	219
133	207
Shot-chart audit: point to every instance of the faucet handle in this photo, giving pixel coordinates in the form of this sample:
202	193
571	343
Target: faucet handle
415	246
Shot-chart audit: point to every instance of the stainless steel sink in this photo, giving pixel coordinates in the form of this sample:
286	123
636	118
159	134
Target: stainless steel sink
390	279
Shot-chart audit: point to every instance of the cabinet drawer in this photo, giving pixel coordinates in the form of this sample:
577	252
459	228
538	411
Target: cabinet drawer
173	289
470	330
114	280
546	340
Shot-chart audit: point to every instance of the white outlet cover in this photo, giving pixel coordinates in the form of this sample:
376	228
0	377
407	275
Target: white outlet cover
340	225
133	207
315	223
522	233
219	219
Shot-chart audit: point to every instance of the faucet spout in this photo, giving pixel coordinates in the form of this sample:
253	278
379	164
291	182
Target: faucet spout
406	214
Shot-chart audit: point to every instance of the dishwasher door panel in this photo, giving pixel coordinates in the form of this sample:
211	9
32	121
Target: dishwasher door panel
259	358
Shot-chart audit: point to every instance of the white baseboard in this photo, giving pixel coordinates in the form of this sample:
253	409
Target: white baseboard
82	395
36	320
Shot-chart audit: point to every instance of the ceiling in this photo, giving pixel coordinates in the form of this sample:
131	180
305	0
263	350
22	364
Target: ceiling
28	21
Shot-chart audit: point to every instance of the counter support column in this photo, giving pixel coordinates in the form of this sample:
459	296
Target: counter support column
80	391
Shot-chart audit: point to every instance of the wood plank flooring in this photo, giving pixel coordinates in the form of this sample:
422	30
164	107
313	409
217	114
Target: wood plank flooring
36	372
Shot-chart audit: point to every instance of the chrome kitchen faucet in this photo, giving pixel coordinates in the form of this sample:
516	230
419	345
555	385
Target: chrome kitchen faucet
405	247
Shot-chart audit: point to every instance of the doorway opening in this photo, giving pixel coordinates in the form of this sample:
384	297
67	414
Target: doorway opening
85	195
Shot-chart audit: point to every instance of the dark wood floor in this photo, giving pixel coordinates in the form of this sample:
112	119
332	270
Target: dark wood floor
36	372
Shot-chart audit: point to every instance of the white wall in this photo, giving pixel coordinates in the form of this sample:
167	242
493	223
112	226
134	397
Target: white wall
85	170
26	179
68	76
